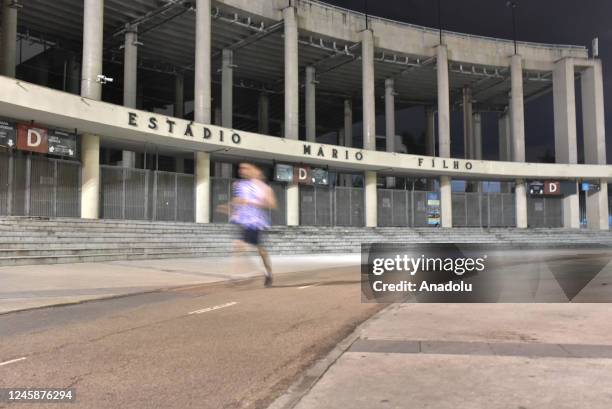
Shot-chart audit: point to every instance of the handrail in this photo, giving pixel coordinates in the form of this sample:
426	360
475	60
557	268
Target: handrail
436	31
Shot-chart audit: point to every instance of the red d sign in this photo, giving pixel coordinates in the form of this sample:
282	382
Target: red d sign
302	175
552	188
32	138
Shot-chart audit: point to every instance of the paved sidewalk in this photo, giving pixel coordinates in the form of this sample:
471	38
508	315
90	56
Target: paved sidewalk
25	287
479	356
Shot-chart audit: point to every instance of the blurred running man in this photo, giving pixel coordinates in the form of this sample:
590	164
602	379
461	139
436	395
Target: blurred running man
249	210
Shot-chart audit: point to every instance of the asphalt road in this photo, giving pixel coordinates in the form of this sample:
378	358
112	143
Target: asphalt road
171	350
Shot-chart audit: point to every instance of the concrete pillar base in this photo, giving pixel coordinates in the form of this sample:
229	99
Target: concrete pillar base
571	211
293	205
446	202
597	208
520	193
202	174
371	200
90	180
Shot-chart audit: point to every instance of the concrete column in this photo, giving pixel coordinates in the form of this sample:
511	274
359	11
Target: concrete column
517	110
390	113
130	83
443	102
566	150
518	136
390	121
348	123
202	106
202	88
227	89
8	53
74	76
291	74
446	206
508	148
90	182
202	175
130	67
446	203
369	96
468	127
292	101
430	132
311	111
93	31
227	103
595	142
93	16
503	136
520	192
371	204
179	95
263	113
430	140
477	132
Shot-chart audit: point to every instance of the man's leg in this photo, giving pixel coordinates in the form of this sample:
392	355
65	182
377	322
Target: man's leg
266	260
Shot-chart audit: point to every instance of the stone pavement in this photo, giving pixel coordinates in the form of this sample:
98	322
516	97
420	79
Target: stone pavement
24	287
480	356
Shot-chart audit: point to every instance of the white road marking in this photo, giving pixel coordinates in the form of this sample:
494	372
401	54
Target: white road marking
12	361
216	307
308	286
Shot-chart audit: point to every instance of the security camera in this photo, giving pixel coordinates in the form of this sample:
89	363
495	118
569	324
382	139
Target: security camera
103	79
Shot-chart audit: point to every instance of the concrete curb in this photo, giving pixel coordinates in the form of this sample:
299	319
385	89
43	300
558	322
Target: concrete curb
311	376
156	289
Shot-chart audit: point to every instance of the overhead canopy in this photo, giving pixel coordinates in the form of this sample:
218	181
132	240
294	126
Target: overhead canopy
167	32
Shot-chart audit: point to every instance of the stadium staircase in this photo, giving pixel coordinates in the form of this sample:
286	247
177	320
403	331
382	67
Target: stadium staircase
48	241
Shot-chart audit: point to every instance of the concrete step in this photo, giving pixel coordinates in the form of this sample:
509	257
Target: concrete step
43	241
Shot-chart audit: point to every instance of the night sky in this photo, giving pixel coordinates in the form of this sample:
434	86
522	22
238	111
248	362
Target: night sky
546	21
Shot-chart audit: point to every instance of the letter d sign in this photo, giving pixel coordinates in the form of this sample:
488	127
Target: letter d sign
31	138
552	188
302	174
34	138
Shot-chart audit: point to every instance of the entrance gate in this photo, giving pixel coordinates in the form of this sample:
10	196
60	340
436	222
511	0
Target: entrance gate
402	208
544	212
39	186
332	206
482	209
140	194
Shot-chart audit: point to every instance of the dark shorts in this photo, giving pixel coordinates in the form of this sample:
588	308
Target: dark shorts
250	235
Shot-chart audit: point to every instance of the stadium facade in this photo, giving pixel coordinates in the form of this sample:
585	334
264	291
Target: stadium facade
141	109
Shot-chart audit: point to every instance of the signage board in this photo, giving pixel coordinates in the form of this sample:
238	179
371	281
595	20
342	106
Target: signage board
433	209
536	188
32	138
62	143
302	175
283	173
552	188
8	133
320	177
